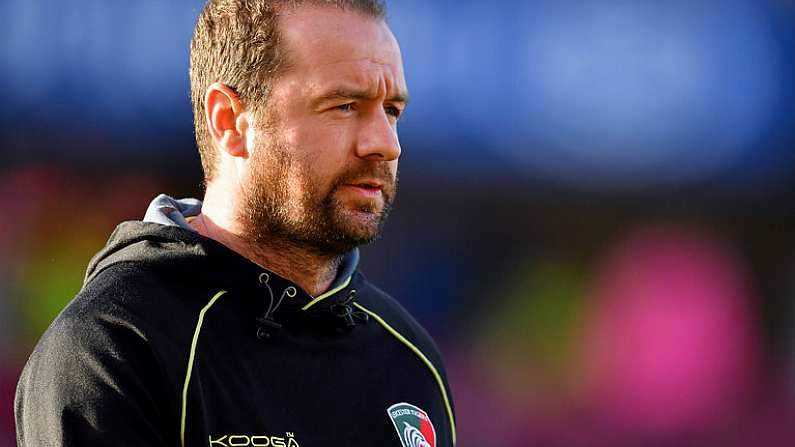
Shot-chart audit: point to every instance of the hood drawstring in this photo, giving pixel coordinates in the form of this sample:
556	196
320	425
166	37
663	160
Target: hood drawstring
266	325
347	316
345	312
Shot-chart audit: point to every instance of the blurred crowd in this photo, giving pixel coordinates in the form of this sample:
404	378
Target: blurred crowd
659	343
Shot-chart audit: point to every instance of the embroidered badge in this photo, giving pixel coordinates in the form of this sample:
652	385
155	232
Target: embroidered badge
413	425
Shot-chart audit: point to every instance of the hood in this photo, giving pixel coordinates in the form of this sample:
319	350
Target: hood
164	242
164	238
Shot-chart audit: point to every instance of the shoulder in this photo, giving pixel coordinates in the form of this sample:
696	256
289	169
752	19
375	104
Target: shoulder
142	298
124	301
117	328
96	359
104	324
383	306
390	314
126	309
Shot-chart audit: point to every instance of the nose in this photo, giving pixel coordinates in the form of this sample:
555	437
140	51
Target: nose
378	139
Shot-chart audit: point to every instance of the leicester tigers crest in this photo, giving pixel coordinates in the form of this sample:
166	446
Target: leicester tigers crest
413	425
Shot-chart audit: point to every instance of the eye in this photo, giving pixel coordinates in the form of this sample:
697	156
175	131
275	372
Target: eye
393	111
347	107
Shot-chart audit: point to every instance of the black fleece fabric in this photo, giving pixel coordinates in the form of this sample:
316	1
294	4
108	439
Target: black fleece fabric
177	340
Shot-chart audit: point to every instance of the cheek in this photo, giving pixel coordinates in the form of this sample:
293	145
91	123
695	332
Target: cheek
322	147
322	159
324	139
303	181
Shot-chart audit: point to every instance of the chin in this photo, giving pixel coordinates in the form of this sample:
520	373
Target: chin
360	226
354	224
364	233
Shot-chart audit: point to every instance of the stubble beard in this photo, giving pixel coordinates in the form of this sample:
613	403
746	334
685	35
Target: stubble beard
284	206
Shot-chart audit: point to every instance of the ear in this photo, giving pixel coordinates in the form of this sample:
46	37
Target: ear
226	120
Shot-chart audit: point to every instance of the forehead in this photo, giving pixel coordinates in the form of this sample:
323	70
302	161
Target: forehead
327	41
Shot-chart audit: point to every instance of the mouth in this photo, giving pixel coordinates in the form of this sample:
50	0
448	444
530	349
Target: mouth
370	184
368	188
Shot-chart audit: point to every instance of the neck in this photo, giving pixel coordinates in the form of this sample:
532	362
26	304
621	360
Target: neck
312	272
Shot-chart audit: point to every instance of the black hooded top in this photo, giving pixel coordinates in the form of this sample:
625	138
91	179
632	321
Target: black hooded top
177	340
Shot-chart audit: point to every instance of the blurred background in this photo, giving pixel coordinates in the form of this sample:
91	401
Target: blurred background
596	210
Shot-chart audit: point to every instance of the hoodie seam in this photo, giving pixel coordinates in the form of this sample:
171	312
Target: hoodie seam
191	359
95	273
325	295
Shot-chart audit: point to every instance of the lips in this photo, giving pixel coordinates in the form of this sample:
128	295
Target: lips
368	188
367	184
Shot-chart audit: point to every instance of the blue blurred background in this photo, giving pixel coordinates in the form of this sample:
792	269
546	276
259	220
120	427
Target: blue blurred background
596	209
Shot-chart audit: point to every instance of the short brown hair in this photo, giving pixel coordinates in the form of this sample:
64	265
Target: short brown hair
237	43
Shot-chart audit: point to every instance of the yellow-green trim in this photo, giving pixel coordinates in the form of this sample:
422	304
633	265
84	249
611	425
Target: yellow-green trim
422	357
327	294
190	363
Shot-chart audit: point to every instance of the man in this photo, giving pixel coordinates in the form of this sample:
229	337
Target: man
243	321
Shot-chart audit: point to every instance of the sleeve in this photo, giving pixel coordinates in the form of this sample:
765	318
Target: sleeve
93	380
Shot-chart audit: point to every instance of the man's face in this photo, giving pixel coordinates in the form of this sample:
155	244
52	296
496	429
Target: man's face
324	155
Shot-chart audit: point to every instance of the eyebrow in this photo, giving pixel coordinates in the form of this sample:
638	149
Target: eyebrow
359	95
